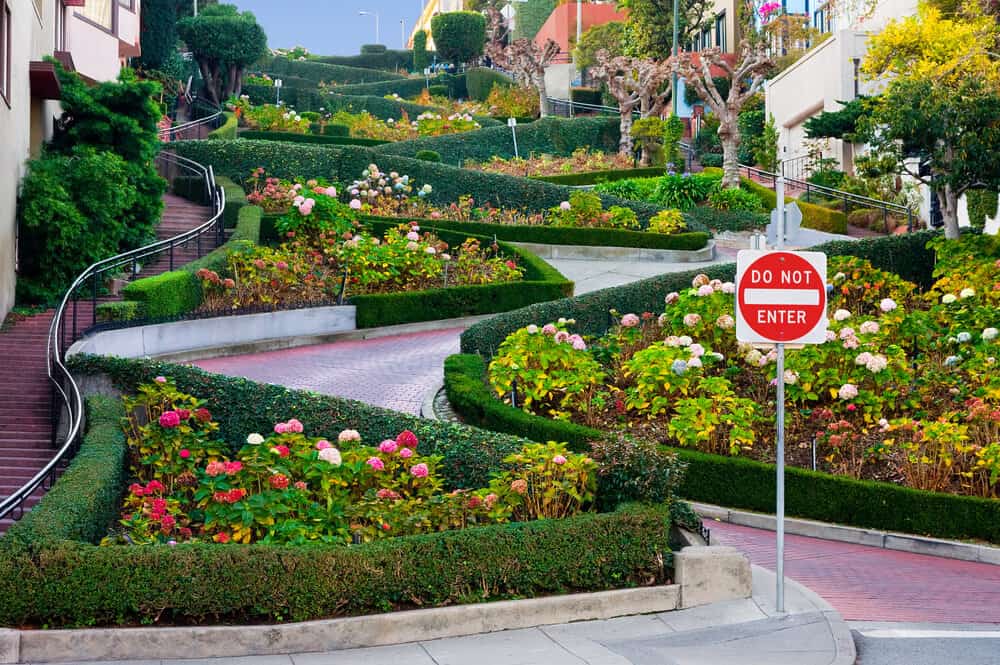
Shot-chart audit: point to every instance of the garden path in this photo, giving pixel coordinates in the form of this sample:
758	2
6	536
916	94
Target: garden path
873	584
25	392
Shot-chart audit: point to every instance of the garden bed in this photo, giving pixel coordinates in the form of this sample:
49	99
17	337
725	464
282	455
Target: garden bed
51	549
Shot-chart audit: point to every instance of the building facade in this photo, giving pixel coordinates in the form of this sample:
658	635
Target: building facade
94	38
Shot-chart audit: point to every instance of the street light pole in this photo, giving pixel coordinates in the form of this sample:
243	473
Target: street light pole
673	91
364	12
402	33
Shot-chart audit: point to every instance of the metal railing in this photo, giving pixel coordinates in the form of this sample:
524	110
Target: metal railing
567	108
67	399
192	129
848	199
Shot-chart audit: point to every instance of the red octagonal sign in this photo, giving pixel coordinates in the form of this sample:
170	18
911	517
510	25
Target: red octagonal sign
781	297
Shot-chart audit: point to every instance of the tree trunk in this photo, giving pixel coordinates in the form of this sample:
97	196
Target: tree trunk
949	211
729	136
543	96
210	76
239	81
625	144
231	78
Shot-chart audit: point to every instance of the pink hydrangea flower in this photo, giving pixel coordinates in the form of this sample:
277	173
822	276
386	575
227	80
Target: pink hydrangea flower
215	469
565	205
169	419
355	204
349	435
407	439
295	426
671	298
869	328
406	453
184	453
549	329
419	470
559	459
630	321
562	336
705	290
691	320
331	191
323	444
697	350
725	322
388	446
160	379
847	391
375	463
280	428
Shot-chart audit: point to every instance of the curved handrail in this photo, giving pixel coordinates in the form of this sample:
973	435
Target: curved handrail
168	133
66	389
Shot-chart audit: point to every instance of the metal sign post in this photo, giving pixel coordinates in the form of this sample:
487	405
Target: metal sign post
512	123
780	299
277	92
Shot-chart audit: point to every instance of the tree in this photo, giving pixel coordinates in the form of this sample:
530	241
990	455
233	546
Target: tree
158	34
941	104
745	77
421	59
649	31
608	36
459	36
524	59
224	43
839	124
636	84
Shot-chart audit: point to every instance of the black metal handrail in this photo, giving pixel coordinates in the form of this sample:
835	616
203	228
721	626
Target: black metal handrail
848	198
67	396
185	129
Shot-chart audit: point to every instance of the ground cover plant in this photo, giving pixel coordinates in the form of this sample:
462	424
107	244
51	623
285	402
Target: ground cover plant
904	390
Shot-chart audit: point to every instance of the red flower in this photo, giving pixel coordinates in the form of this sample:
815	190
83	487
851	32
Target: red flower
136	489
184	453
221	537
235	495
851	407
282	451
407	439
385	526
154	486
183	414
511	265
300	485
233	468
279	481
170	419
475	502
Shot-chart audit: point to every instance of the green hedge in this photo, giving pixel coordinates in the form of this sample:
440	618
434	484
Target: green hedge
905	255
238	158
228	128
403	88
315	72
726	220
236	200
40	564
291	137
86	499
555	136
813	216
741	483
191	188
479	82
585	96
565	235
121	310
594	177
388	60
982	204
333	129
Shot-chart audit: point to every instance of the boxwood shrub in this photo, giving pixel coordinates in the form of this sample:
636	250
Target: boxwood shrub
323	139
50	551
388	60
566	235
741	483
905	255
227	130
813	216
402	87
315	72
479	81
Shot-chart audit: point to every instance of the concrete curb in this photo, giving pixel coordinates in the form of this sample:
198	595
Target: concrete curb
594	253
427	406
900	542
52	646
845	650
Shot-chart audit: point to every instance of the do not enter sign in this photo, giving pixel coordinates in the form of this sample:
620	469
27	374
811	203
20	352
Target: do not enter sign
781	297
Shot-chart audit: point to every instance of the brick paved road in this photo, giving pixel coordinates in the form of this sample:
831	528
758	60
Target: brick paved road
394	372
873	584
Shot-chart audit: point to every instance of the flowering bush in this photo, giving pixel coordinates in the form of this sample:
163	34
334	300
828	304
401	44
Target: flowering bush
287	486
904	389
585	209
666	222
513	102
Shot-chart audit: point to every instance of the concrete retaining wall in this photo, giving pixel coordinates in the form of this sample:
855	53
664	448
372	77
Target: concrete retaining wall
586	253
197	334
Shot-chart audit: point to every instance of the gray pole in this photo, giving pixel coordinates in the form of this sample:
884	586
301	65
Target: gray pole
195	7
780	509
673	92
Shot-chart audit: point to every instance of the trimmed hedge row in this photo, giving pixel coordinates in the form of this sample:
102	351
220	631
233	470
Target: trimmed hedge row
310	70
345	164
565	235
741	483
594	177
86	499
479	81
291	137
115	585
813	216
227	130
905	255
556	136
388	60
403	88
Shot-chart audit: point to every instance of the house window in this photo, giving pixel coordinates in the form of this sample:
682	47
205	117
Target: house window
5	51
818	21
720	31
706	38
99	12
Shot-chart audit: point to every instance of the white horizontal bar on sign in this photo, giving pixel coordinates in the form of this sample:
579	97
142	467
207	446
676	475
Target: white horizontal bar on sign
781	297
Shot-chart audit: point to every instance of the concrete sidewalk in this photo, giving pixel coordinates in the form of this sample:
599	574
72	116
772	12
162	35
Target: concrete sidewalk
744	632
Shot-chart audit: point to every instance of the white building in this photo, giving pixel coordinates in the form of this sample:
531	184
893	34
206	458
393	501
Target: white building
94	40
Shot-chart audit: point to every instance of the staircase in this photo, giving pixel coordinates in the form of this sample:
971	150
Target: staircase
26	399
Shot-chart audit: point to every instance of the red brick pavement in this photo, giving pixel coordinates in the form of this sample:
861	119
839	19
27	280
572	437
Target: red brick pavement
873	584
393	372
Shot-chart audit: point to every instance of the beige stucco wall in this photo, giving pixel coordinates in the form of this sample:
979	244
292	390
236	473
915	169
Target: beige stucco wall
20	121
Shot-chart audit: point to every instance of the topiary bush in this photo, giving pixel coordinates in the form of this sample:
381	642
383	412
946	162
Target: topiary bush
479	81
428	155
459	36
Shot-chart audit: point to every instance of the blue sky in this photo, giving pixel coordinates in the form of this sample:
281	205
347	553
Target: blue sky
331	27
